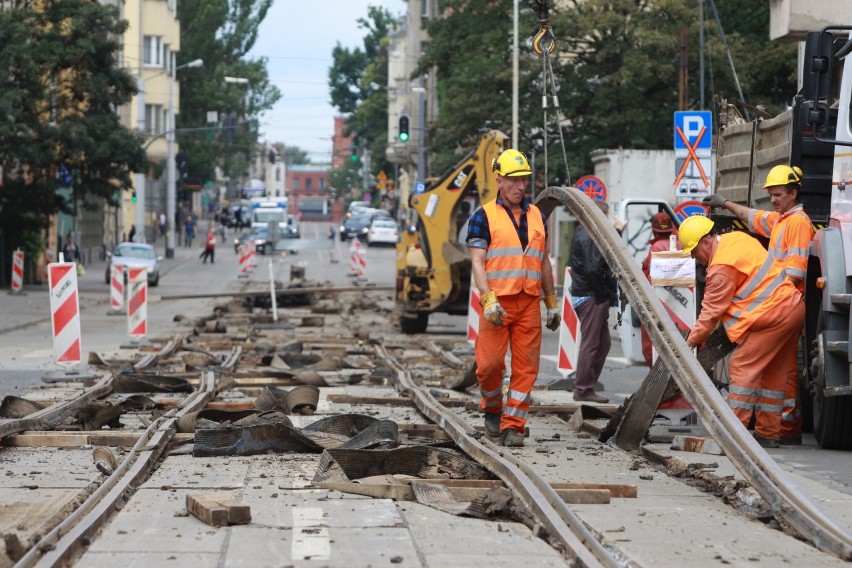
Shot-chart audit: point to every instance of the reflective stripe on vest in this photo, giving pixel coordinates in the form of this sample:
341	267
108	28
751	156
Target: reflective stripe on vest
765	285
792	255
509	268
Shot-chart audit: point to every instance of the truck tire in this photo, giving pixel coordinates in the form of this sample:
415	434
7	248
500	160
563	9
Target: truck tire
832	414
416	324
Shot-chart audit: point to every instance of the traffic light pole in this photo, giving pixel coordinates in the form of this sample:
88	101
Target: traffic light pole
171	179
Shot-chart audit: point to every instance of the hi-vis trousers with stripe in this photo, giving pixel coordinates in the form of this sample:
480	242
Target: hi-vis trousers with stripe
523	330
759	366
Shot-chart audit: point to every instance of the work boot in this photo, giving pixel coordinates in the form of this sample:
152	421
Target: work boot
766	442
492	424
589	397
791	441
511	438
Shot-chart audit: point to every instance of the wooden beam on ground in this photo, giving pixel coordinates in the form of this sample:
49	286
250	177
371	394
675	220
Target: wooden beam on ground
218	511
52	439
283	292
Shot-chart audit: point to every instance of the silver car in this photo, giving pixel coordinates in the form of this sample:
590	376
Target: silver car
136	255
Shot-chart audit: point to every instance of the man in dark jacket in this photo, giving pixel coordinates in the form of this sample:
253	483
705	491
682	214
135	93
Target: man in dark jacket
593	292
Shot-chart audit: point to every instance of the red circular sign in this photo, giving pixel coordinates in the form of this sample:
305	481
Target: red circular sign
689	208
592	186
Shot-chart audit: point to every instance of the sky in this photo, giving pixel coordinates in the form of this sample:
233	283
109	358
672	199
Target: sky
297	39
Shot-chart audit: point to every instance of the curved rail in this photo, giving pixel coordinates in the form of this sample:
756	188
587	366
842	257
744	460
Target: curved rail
761	471
562	524
152	359
59	545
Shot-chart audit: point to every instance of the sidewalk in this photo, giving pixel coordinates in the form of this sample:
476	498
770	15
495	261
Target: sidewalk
33	307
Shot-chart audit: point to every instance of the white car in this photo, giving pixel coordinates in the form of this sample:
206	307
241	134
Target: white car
136	255
383	231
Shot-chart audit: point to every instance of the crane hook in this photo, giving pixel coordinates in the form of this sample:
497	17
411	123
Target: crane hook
545	32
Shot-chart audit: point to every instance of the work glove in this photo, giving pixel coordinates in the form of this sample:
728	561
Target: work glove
714	200
492	309
553	318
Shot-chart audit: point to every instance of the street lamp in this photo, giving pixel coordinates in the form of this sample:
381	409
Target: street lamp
421	139
171	190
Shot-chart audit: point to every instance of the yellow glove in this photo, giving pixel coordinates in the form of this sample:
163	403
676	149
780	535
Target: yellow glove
492	309
553	318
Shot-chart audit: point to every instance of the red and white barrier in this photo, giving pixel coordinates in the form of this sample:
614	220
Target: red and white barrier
244	260
474	310
252	257
354	254
569	331
116	288
64	311
137	302
17	271
362	263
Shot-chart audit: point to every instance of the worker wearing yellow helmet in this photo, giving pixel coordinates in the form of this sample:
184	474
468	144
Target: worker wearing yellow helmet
790	234
507	240
761	311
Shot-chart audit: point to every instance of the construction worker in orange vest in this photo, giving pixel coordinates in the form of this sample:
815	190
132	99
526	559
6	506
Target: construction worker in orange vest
507	239
790	234
761	311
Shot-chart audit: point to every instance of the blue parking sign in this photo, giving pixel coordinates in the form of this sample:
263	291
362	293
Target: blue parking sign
690	124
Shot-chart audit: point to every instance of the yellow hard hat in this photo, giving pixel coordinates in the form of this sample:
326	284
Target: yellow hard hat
783	175
511	163
691	231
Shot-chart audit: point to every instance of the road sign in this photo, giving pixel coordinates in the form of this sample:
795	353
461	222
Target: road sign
419	187
689	208
593	187
693	145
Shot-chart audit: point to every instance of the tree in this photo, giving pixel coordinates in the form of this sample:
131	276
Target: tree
61	89
221	32
358	80
293	155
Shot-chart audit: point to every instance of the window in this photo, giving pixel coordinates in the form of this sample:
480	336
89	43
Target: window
309	184
322	183
295	183
154	119
152	51
277	174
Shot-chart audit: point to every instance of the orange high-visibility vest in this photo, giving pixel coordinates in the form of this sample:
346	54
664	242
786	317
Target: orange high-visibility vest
509	268
790	235
765	285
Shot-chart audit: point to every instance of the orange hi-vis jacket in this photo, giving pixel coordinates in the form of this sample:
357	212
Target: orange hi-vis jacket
790	235
765	285
509	268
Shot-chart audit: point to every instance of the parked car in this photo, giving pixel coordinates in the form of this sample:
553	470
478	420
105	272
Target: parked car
259	236
383	230
355	226
135	255
357	207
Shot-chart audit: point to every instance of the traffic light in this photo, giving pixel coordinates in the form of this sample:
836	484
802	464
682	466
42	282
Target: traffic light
133	197
404	122
353	152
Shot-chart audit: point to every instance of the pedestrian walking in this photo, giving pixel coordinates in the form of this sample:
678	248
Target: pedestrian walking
70	250
189	231
761	311
131	236
209	247
162	223
790	233
662	228
593	293
507	239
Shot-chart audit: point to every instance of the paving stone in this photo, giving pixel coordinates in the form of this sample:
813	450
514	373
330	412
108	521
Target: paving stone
278	512
148	559
202	473
47	467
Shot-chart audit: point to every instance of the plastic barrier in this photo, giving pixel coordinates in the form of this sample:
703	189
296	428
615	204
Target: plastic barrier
474	310
64	311
17	272
137	302
569	332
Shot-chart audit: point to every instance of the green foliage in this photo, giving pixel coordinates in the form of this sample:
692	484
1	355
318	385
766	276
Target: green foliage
358	80
293	155
221	33
59	93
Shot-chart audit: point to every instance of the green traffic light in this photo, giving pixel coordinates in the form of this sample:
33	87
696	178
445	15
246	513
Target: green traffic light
133	199
403	136
354	158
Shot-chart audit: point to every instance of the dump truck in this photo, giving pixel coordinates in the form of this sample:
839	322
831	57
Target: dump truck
433	264
816	135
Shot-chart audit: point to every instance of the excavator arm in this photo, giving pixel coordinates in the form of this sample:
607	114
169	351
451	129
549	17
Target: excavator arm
433	267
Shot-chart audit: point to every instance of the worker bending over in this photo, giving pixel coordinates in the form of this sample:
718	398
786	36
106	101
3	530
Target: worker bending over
761	311
507	239
790	234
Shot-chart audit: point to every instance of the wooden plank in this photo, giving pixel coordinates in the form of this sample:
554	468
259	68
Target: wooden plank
218	511
50	439
461	493
282	292
213	404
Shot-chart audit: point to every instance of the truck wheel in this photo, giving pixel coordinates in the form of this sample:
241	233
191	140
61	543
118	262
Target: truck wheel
832	414
416	324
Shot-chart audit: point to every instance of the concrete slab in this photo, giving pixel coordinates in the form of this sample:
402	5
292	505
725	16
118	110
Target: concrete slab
47	467
441	535
188	472
145	560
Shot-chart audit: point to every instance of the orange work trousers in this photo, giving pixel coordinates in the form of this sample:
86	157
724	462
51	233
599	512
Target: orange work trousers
760	365
522	330
791	414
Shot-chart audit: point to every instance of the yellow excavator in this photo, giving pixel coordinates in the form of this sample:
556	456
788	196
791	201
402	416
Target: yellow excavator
433	264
